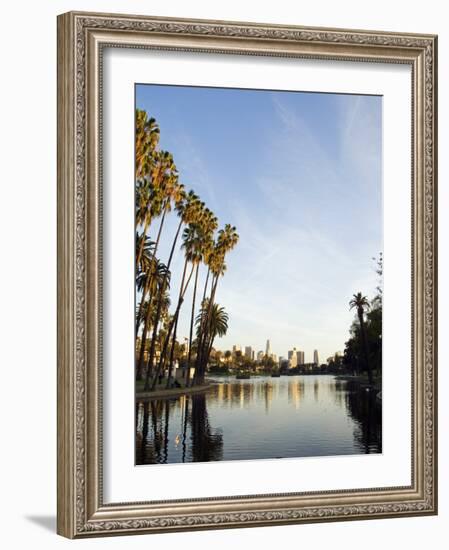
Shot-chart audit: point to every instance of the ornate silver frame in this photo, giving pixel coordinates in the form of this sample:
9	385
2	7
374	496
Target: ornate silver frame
81	38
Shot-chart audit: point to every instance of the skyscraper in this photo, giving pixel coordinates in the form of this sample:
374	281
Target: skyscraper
315	357
268	349
300	356
248	352
292	358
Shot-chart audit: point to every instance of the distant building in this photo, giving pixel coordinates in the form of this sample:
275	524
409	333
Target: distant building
268	349
292	358
235	349
253	353
316	359
300	357
248	352
260	355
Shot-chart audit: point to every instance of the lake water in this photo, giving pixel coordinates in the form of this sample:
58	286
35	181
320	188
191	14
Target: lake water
264	417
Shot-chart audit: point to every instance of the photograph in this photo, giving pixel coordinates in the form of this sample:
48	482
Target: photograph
258	274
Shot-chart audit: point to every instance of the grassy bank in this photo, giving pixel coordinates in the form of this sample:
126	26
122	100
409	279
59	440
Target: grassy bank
161	391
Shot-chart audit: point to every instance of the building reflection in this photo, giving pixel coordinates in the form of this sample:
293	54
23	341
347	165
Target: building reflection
296	390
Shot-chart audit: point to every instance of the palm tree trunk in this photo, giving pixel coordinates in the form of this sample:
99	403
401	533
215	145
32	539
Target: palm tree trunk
158	312
203	362
139	370
172	350
201	374
201	331
192	317
170	328
141	303
144	232
172	354
149	275
365	348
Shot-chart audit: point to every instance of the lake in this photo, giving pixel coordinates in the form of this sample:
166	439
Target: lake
264	417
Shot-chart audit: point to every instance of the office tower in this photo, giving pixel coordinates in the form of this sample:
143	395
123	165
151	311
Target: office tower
292	358
300	357
248	352
315	357
268	349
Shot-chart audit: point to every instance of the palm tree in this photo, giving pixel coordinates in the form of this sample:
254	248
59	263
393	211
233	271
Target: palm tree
158	194
174	192
204	245
217	326
159	283
163	358
187	208
226	241
147	139
361	303
143	269
191	248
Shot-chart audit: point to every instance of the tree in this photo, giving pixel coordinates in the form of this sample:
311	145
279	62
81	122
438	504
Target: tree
217	325
203	245
361	303
150	312
147	139
187	209
226	241
159	192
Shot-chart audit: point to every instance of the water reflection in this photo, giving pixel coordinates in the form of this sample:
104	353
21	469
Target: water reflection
264	417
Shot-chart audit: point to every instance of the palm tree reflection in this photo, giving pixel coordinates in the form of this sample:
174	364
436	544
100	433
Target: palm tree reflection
364	408
197	441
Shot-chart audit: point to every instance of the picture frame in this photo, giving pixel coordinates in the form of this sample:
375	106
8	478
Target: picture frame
82	40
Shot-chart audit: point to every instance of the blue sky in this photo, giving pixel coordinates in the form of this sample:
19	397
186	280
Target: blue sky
300	176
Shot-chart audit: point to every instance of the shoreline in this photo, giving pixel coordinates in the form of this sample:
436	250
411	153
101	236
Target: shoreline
172	392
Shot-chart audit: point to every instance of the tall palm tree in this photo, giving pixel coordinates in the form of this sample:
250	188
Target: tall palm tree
187	208
361	304
163	356
190	247
226	241
204	245
174	192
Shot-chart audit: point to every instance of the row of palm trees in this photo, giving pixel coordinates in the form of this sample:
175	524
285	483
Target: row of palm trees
160	193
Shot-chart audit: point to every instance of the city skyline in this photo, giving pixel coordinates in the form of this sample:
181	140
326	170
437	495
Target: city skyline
299	175
255	351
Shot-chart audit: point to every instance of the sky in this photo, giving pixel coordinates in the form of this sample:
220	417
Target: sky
300	176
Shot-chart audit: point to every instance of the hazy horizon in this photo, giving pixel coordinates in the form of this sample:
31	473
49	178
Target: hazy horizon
300	176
